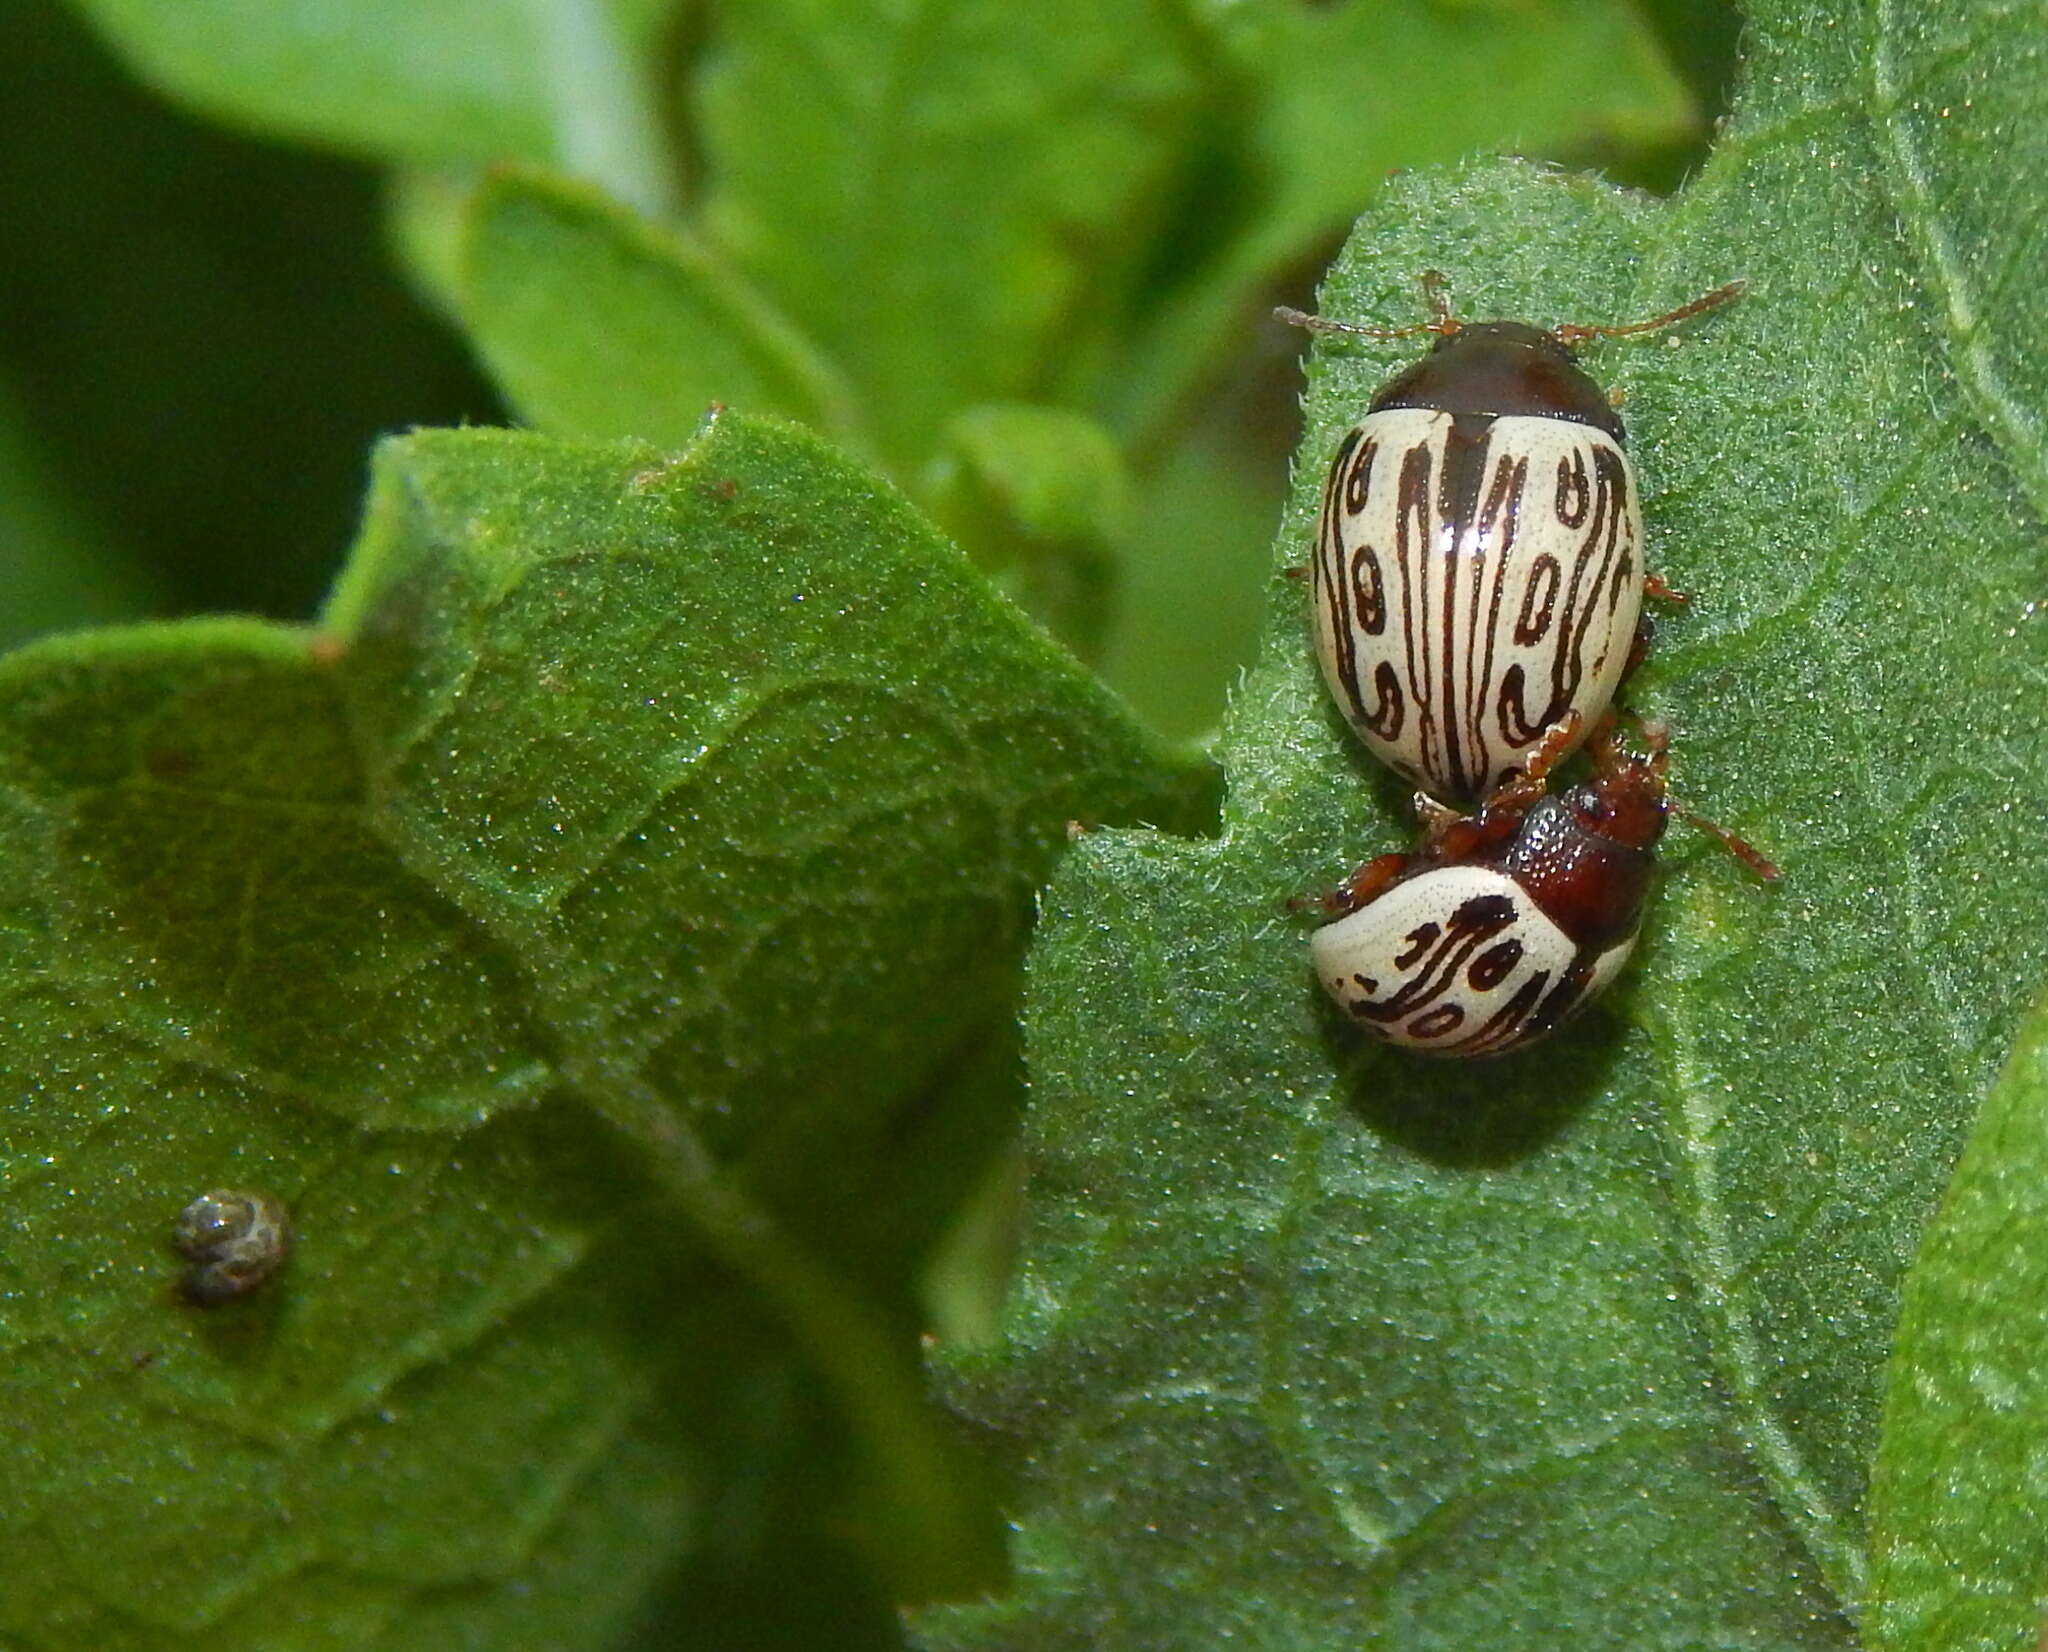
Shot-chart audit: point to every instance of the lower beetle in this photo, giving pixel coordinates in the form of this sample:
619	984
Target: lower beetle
1500	925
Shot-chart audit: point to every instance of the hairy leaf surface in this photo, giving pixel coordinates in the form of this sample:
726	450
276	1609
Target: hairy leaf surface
704	793
1957	1544
1320	1346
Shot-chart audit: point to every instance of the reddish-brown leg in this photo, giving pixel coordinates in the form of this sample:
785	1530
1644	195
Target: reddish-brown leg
1513	797
1449	836
1436	818
1608	754
1657	591
1600	744
1356	890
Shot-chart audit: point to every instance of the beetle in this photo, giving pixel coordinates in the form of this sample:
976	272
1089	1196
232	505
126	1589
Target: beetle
1500	925
235	1240
1478	569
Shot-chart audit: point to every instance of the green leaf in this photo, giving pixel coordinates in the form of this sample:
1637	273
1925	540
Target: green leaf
1959	1551
433	1411
208	810
202	331
1322	102
1703	40
1049	488
1188	606
597	323
953	195
1504	74
1337	1347
588	684
427	228
420	80
701	793
1962	131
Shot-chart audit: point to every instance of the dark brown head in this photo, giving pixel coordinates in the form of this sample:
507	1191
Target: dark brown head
1502	368
1624	800
1585	856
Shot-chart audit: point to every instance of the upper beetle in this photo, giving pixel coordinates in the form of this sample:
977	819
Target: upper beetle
1501	925
1478	571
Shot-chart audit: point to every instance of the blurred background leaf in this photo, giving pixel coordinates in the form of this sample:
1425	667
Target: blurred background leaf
59	566
875	222
203	333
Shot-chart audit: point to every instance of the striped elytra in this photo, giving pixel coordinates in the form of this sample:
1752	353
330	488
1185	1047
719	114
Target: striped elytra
234	1239
1462	960
1500	926
1478	568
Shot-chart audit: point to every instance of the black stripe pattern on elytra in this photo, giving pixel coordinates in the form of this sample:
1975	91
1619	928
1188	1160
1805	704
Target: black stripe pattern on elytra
1474	580
1457	962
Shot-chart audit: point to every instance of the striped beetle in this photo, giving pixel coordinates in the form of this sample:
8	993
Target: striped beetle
1503	924
1478	570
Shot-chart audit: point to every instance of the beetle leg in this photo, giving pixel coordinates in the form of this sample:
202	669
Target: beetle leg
1437	818
1357	890
1513	797
1600	743
1558	739
1655	589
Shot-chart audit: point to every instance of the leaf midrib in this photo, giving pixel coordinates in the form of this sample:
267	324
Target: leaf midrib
2016	428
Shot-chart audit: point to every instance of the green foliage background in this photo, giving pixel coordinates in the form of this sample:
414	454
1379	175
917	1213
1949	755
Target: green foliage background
596	898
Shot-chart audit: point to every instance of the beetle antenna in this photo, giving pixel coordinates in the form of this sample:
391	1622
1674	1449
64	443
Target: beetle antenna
1573	332
1323	324
1657	739
1741	848
1441	321
1433	285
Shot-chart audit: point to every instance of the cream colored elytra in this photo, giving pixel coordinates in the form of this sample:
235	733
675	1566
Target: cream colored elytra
1469	593
1458	960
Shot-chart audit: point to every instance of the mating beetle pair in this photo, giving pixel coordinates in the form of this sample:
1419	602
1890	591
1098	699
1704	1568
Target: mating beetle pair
1477	591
